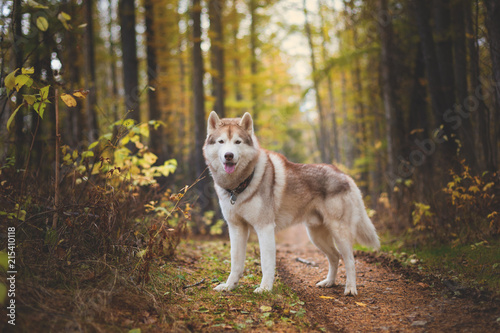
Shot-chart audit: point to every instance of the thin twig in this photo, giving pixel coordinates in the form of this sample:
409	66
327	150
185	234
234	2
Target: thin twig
58	137
194	285
307	262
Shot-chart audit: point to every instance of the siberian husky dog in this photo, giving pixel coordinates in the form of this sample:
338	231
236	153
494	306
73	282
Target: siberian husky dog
263	190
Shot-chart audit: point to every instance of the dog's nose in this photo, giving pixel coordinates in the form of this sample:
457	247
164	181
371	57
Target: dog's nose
228	156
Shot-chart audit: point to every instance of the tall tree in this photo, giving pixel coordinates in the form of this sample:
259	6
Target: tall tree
90	73
199	106
493	26
215	9
324	40
460	68
126	9
253	60
388	87
235	25
324	141
18	63
72	68
112	66
439	101
156	134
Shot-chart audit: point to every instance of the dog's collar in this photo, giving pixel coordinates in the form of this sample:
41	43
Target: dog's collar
234	193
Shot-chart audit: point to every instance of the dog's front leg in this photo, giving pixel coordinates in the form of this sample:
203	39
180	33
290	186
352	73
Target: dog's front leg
238	236
267	243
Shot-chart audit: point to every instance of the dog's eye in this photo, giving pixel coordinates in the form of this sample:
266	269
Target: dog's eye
221	141
237	142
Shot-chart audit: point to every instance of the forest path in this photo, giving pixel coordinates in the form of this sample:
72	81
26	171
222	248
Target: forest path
389	299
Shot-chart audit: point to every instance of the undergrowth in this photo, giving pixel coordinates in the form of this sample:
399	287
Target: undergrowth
85	256
186	287
474	265
467	211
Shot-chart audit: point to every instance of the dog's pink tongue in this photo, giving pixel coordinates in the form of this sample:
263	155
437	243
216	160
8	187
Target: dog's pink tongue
229	167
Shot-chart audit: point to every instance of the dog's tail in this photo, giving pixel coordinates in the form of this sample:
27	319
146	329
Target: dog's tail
364	229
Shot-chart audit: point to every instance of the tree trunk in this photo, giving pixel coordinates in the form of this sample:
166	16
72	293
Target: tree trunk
72	65
439	102
111	53
90	76
460	62
253	62
126	11
361	119
419	126
331	100
217	55
493	26
157	143
17	47
444	49
394	131
236	61
199	108
324	142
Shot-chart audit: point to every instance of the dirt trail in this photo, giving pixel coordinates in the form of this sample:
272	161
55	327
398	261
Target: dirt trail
388	299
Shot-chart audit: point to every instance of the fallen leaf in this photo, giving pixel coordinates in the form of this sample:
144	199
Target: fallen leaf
361	304
327	297
265	308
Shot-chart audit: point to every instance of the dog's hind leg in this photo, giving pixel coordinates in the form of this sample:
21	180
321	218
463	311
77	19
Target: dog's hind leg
345	248
323	239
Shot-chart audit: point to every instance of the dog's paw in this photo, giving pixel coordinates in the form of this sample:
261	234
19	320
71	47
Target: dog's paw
350	290
261	290
224	287
325	283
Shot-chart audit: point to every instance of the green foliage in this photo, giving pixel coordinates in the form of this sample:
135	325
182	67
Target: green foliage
16	214
118	157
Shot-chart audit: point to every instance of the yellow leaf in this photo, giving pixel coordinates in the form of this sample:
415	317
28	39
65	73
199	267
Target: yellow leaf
34	4
30	99
488	186
265	308
12	116
30	70
361	304
68	100
416	130
473	189
42	24
22	80
10	80
81	93
327	297
65	16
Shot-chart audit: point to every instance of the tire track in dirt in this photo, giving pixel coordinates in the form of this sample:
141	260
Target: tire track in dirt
388	299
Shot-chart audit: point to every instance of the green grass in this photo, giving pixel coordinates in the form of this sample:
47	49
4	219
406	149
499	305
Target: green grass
474	265
201	308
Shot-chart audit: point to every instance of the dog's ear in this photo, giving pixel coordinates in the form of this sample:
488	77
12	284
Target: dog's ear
213	122
246	123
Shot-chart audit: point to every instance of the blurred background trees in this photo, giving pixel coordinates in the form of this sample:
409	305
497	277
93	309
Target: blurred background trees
399	93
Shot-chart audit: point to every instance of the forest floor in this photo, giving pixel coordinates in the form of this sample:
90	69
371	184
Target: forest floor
390	297
180	298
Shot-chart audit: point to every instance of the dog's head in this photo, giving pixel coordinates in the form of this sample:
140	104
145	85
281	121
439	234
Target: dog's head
231	144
